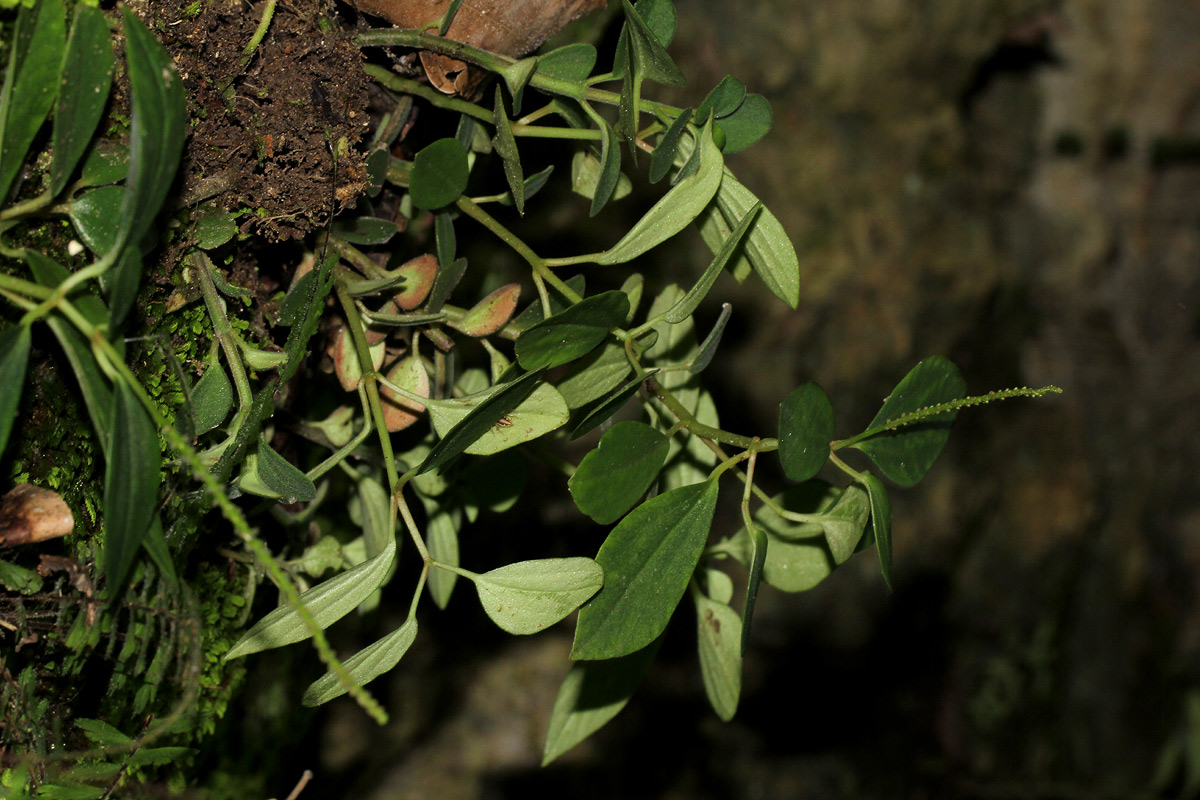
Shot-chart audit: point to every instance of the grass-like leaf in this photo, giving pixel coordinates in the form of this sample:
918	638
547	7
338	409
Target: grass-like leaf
529	596
881	523
30	83
647	561
328	602
691	301
663	157
130	484
366	665
758	559
610	168
611	478
14	358
506	145
86	79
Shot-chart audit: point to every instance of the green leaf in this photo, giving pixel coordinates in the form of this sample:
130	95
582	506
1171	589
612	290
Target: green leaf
767	248
595	375
529	596
516	76
269	474
612	477
157	756
663	156
448	17
506	145
724	99
574	62
328	602
674	210
365	230
610	169
797	557
573	332
592	694
691	301
366	665
18	579
106	162
102	734
14	358
130	484
214	228
906	453
86	79
611	405
847	519
493	420
495	482
805	431
647	561
530	187
708	348
442	540
758	558
159	551
881	523
157	129
30	83
648	51
747	125
719	635
439	174
96	215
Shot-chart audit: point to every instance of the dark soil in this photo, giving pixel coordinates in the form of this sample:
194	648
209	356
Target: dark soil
264	129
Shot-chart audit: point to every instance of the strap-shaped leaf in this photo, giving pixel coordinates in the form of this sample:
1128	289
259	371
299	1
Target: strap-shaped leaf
610	168
573	332
601	413
906	452
647	561
130	484
30	83
86	78
719	636
506	145
663	156
881	523
529	596
327	602
758	558
691	301
441	537
592	694
366	665
14	358
805	431
612	477
674	210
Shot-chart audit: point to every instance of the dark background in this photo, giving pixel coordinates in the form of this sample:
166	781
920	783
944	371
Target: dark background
1014	184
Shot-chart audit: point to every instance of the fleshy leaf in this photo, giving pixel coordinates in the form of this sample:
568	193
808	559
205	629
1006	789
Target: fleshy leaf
805	431
328	602
906	453
647	561
881	523
747	125
439	174
130	484
611	478
724	99
14	358
573	332
491	313
610	169
366	665
592	694
212	398
529	596
86	79
674	210
649	54
719	634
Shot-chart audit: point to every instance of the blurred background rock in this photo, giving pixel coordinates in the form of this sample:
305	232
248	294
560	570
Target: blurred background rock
1014	184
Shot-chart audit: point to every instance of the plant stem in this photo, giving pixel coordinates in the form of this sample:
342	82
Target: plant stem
264	25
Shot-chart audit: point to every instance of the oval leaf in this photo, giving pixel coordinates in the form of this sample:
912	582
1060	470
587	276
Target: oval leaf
805	431
573	332
725	98
530	596
719	634
747	125
573	62
611	478
130	484
439	174
442	539
212	398
366	665
906	453
269	474
647	561
327	602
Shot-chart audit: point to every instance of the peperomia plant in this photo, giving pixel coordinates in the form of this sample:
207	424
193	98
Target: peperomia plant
444	394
